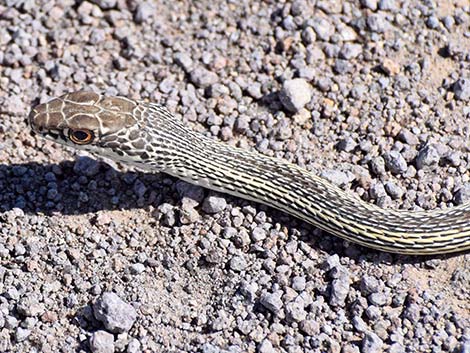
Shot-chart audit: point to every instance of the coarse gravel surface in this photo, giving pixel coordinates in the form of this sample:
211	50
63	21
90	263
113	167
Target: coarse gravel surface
373	95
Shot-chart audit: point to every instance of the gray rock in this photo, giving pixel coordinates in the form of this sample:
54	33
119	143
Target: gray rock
393	190
102	342
377	23
377	165
462	89
143	12
137	268
369	284
272	302
408	137
427	156
388	5
258	234
184	61
432	22
266	347
193	192
105	4
86	166
295	94
350	51
462	195
323	28
395	162
295	312
336	177
238	263
310	327
21	334
202	77
347	144
371	343
339	291
214	204
370	4
134	346
298	283
116	315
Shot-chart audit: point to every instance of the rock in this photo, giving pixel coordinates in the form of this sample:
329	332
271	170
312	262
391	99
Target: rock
371	343
102	342
105	4
214	204
183	60
143	12
408	137
295	312
86	166
323	28
238	263
462	89
202	77
21	334
116	315
339	291
395	162
427	156
350	51
295	94
266	347
462	195
272	302
389	67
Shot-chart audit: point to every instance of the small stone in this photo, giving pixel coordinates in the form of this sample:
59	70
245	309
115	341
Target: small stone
395	162
86	166
193	192
202	77
432	22
336	177
214	204
462	89
21	334
136	269
323	28
258	234
106	4
388	5
339	291
295	94
295	312
347	144
377	23
184	61
427	156
143	12
370	4
408	137
369	284
266	347
272	302
134	346
310	327
371	343
102	342
462	195
389	67
298	283
238	263
116	315
393	190
350	51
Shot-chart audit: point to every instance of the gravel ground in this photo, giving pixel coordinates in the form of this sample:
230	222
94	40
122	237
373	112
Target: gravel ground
371	94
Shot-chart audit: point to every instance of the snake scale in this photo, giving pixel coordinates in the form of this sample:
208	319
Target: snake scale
148	136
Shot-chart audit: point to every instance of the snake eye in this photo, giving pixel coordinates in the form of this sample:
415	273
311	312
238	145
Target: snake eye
81	137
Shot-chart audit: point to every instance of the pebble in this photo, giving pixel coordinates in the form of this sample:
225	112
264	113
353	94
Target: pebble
272	302
295	94
238	263
86	166
202	77
395	162
462	89
371	343
427	156
116	315
102	342
214	204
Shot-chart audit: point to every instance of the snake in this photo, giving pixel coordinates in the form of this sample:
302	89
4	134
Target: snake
146	135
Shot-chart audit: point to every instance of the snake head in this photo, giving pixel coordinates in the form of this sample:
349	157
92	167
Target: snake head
83	119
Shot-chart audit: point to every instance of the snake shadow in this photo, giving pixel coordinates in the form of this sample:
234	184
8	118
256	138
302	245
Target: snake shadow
86	186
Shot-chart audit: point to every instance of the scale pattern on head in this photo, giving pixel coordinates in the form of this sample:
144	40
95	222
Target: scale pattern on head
116	127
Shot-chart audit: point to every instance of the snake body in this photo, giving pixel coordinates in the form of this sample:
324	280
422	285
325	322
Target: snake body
148	136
